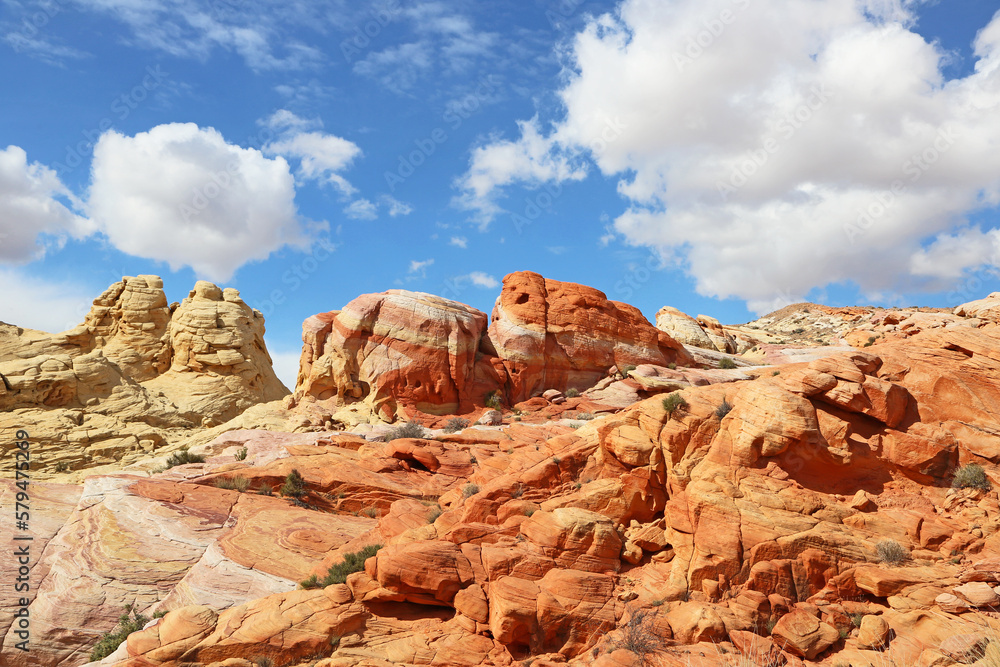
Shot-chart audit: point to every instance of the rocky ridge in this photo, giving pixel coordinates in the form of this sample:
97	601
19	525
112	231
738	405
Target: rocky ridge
137	374
800	512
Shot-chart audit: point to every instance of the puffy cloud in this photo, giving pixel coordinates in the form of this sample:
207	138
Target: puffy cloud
768	167
533	158
181	194
35	208
419	267
396	207
362	209
480	279
321	156
459	241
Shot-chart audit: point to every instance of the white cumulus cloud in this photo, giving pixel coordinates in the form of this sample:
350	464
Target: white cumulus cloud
36	209
838	153
480	279
182	195
35	303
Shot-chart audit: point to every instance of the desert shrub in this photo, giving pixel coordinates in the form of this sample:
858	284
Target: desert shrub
971	476
263	662
518	492
672	366
556	460
775	373
62	466
469	490
871	341
639	636
160	614
856	618
727	363
456	424
673	402
241	454
585	416
294	486
435	513
723	409
266	490
337	574
236	483
370	512
627	368
182	457
407	430
129	622
891	552
572	392
492	400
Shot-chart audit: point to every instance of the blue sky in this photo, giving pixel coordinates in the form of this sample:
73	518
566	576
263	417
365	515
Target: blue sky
307	152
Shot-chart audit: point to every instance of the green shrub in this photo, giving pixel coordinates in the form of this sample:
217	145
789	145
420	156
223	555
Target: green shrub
775	373
572	392
294	486
492	400
871	341
129	622
673	402
556	460
236	483
182	457
891	552
370	512
727	363
626	369
456	424
672	366
971	476
407	430
337	574
470	489
266	490
723	409
241	454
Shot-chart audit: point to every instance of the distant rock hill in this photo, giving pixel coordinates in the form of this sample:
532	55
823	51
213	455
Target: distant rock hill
135	374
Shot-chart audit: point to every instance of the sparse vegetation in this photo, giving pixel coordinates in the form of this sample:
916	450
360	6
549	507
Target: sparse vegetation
585	416
241	454
456	424
556	460
572	392
262	661
337	574
160	614
639	635
773	373
266	490
469	490
798	330
518	492
856	618
407	430
129	622
871	341
723	409
727	363
235	483
891	552
294	486
626	369
62	466
971	476
182	457
370	512
435	513
493	400
673	402
672	366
